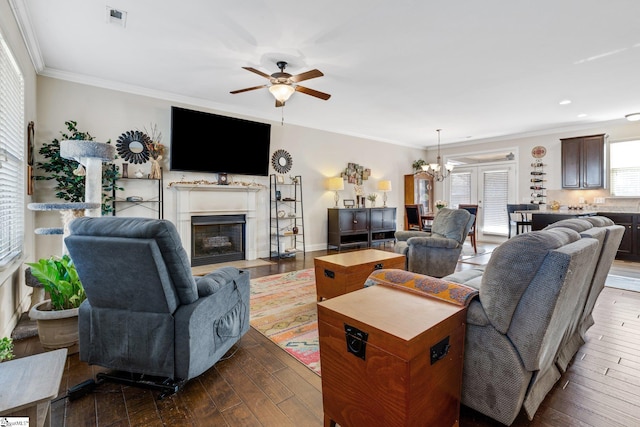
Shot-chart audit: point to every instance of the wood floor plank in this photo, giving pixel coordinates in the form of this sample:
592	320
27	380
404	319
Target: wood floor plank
252	396
269	384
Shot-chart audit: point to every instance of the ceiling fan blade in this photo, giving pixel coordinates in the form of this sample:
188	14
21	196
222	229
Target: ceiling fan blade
313	92
248	89
306	76
258	72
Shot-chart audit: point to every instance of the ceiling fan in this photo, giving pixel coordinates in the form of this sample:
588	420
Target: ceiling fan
284	84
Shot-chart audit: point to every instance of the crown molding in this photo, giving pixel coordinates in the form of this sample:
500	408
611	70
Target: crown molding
19	9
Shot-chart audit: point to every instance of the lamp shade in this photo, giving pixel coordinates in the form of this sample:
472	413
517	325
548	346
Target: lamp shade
281	91
336	183
384	185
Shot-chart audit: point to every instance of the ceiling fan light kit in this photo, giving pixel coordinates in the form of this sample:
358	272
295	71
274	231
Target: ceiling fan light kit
283	84
281	92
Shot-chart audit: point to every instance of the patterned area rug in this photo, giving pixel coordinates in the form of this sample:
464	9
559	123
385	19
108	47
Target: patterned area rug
283	308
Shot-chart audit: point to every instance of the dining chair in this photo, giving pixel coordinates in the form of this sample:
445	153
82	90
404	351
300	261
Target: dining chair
414	217
473	210
521	220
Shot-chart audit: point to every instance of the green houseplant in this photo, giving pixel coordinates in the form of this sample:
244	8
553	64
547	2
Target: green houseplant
57	317
6	349
70	185
60	280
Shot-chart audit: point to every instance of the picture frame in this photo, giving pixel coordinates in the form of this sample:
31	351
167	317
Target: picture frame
348	203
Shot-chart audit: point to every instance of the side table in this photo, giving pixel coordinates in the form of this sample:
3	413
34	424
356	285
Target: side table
390	357
29	384
340	273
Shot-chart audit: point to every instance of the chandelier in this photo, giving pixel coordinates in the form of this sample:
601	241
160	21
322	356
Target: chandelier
439	170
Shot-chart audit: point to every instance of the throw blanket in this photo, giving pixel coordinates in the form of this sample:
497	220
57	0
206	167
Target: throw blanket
444	290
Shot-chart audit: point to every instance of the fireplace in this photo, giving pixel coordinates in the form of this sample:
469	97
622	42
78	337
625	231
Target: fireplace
217	238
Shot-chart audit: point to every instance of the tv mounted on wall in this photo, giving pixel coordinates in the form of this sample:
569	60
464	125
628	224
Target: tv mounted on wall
210	143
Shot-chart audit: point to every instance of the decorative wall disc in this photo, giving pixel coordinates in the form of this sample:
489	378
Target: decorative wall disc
538	152
132	146
281	161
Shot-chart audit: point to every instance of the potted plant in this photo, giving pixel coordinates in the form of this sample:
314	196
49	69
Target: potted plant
6	349
417	165
57	317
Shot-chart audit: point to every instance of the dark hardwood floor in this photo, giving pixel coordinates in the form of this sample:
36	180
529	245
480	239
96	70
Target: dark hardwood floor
261	385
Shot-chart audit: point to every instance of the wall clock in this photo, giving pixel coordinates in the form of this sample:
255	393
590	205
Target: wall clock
132	146
538	152
281	161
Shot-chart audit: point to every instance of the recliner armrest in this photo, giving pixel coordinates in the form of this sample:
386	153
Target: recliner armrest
433	242
212	282
406	235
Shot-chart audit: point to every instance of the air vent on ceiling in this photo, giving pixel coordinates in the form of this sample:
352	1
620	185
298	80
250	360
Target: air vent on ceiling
116	16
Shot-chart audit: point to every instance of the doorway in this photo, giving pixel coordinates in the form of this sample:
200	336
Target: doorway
488	186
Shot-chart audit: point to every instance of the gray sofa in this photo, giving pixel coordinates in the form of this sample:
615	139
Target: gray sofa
517	324
145	313
609	235
436	253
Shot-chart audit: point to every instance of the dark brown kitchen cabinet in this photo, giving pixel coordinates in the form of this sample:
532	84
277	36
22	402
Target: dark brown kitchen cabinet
629	248
583	162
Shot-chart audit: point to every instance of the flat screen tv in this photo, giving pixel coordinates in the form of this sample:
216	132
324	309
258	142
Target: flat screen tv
205	142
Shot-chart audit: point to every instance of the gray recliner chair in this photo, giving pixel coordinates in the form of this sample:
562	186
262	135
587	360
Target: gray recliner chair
145	314
609	235
517	325
436	253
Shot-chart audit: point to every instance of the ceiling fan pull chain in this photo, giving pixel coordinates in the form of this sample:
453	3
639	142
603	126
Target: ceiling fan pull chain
282	111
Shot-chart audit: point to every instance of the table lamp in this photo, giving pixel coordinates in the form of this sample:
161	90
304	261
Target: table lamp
384	186
336	184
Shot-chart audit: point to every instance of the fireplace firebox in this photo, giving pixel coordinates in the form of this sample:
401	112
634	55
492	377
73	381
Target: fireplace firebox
217	238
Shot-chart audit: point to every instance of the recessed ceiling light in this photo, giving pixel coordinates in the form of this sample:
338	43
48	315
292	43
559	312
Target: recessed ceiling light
565	102
634	117
582	115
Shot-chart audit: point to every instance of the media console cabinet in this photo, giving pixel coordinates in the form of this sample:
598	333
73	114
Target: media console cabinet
353	227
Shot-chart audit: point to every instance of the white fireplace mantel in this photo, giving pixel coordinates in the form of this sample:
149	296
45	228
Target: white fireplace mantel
211	199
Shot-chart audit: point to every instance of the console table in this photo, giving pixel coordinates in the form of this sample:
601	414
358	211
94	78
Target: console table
30	383
352	227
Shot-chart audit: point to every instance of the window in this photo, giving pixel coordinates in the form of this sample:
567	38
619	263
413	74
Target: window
625	172
12	164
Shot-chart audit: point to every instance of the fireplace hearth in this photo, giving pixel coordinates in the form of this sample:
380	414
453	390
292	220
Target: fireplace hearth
217	238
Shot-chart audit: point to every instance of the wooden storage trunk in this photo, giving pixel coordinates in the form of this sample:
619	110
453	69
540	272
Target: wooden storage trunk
390	357
346	272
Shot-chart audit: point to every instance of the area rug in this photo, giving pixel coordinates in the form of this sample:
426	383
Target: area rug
283	308
202	270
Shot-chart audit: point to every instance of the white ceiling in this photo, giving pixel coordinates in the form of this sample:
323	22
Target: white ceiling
397	71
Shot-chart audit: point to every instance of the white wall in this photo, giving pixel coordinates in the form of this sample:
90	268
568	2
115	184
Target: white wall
14	296
316	154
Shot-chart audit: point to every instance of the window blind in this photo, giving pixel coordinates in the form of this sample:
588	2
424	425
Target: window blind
12	164
625	174
494	202
460	188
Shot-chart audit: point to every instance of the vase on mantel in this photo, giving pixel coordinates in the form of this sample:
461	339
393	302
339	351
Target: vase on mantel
156	172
